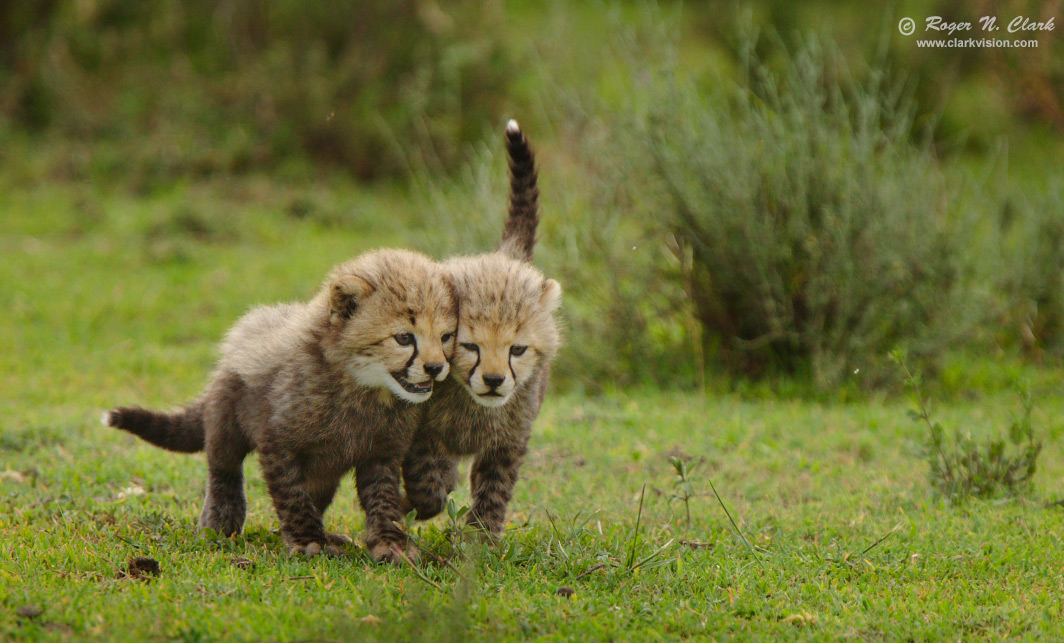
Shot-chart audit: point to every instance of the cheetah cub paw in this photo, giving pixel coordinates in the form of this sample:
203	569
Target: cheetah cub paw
393	553
311	550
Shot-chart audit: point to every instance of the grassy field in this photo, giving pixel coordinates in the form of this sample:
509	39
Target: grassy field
113	299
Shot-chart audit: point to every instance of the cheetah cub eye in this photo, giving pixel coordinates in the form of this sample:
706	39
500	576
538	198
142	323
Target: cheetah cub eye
518	351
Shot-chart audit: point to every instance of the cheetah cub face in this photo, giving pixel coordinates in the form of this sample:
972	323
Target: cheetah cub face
506	326
392	322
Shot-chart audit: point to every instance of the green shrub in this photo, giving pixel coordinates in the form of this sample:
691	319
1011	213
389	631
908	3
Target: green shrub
819	234
779	220
962	467
1032	280
200	86
785	223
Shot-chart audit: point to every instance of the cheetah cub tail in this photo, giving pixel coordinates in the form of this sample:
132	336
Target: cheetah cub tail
519	232
181	431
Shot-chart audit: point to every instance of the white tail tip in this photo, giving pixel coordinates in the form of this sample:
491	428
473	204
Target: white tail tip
512	127
105	419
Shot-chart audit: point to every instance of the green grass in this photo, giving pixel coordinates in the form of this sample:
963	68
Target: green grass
112	299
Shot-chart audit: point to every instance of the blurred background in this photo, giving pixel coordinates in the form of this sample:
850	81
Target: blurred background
773	194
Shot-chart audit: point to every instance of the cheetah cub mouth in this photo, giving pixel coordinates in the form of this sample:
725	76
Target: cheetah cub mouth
416	388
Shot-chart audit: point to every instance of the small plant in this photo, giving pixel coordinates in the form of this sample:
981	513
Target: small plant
456	528
961	467
681	487
683	490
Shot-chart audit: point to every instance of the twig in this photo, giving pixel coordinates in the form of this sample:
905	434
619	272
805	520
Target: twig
925	415
129	542
406	559
735	526
884	537
439	559
594	568
553	525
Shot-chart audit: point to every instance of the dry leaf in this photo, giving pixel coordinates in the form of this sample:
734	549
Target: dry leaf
14	476
29	611
800	618
133	489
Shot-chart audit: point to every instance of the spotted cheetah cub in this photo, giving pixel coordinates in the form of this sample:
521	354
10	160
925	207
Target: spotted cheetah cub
316	389
507	337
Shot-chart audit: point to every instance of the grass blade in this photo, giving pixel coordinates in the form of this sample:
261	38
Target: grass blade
735	526
635	534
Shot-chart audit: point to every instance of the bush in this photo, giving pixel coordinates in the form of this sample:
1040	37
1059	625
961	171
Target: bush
795	220
202	86
819	235
787	224
961	467
1032	281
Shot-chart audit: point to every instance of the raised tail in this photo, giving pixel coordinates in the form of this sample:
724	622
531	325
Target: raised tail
180	431
519	232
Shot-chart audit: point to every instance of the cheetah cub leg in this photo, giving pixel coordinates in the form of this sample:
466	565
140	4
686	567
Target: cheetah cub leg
323	496
429	478
224	506
381	498
301	525
491	481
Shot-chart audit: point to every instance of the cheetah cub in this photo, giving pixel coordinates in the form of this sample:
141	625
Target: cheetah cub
507	337
316	389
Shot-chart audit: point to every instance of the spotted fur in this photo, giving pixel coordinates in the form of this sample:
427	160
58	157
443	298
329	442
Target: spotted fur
507	337
519	231
317	389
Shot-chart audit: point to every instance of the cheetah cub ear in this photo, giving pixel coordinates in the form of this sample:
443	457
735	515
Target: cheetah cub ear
345	294
551	297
